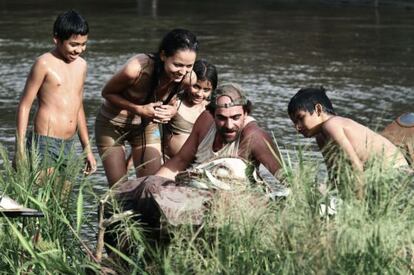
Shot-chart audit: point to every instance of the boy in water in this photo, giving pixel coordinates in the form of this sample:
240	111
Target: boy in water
56	79
313	115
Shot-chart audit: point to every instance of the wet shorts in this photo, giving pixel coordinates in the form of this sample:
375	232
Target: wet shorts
51	150
109	133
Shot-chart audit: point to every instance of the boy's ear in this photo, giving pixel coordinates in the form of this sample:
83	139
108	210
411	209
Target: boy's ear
318	109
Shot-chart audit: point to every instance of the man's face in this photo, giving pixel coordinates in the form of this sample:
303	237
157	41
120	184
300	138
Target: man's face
306	123
71	48
229	121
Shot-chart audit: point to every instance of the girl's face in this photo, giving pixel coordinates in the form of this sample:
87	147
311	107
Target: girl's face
200	91
179	64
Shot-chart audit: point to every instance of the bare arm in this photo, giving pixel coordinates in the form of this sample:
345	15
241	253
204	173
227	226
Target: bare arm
123	79
84	137
186	155
34	82
262	147
338	136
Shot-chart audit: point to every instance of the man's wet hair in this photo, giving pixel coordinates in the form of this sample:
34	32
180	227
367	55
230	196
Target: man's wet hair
206	72
235	93
70	23
307	98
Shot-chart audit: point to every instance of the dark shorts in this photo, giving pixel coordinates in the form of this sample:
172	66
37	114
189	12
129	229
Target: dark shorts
50	150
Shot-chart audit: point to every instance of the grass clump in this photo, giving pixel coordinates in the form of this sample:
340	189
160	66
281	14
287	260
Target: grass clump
243	233
51	244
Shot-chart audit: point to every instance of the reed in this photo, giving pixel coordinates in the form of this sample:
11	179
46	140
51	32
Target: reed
243	232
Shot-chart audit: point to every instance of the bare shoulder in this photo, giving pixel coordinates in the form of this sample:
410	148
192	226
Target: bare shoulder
203	123
254	135
335	124
44	60
136	65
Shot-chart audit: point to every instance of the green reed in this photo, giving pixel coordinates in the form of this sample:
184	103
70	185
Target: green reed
243	233
59	248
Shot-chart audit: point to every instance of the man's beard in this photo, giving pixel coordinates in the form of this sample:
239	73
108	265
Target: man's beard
223	132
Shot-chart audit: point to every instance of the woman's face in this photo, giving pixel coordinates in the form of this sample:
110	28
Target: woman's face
179	64
200	91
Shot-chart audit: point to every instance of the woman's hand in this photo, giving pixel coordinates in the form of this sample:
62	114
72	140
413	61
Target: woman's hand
164	113
148	110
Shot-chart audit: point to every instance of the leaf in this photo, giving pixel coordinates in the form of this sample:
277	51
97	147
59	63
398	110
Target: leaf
79	210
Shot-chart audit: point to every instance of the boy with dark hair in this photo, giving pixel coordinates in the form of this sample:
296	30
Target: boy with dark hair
313	115
56	79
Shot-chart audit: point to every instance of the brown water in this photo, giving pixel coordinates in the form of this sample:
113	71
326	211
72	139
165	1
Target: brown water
363	56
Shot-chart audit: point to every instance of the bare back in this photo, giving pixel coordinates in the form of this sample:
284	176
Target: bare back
359	142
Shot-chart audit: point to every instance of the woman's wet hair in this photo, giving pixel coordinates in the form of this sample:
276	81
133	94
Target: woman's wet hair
206	72
70	23
307	98
176	40
173	41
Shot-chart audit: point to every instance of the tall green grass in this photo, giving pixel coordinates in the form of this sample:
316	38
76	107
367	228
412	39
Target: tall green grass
243	233
59	248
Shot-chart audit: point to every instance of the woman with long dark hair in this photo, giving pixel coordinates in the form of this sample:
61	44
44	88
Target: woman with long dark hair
139	97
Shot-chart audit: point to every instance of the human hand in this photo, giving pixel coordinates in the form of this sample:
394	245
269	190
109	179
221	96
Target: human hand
20	158
164	113
90	166
148	110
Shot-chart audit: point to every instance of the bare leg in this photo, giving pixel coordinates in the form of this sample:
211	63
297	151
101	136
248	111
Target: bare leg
113	160
151	160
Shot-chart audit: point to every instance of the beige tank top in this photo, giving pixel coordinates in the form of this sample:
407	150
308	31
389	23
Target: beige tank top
205	151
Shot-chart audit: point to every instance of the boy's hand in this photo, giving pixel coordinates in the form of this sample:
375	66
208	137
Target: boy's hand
90	164
19	157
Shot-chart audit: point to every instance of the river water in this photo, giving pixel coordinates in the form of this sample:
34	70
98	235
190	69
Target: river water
363	56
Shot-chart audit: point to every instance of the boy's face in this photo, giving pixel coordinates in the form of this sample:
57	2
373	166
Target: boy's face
71	48
306	123
179	64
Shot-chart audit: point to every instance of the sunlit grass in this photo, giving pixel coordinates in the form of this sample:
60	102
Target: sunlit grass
243	234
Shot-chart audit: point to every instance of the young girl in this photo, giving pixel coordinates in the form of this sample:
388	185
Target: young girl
138	97
190	105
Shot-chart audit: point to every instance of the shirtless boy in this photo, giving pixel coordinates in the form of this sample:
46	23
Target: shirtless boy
56	79
313	115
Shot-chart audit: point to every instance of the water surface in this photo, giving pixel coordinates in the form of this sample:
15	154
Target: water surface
363	56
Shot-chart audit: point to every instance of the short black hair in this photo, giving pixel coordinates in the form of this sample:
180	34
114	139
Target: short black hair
68	24
306	99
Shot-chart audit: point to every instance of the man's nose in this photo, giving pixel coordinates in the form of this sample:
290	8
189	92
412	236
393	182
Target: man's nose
229	124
